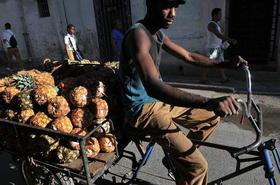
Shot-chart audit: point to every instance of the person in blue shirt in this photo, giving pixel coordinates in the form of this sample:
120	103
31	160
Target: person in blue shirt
117	37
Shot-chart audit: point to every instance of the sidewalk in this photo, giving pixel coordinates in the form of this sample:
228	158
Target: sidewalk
263	82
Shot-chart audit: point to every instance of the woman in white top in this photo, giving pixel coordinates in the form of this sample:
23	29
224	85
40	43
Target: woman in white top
217	42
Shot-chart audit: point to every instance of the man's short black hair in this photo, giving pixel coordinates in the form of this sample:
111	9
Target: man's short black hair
151	2
70	26
8	26
215	11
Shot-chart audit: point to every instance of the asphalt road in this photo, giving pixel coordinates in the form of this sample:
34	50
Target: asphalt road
220	162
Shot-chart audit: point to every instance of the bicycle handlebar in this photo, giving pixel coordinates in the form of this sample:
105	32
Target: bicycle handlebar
246	108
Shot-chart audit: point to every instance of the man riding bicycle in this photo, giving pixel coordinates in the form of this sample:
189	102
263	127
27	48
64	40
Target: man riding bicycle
156	108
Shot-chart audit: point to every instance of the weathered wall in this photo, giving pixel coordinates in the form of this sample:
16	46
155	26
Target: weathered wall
81	14
45	35
10	11
188	30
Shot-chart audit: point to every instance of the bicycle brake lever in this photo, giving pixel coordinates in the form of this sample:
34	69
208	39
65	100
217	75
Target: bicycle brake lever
244	110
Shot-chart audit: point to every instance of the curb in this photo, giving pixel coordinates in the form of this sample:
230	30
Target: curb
203	87
225	89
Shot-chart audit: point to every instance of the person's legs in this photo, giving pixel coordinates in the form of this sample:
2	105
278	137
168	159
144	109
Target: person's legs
200	122
18	57
159	120
205	70
222	71
18	63
10	58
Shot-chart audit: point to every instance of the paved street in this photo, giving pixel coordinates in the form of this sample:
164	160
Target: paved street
220	162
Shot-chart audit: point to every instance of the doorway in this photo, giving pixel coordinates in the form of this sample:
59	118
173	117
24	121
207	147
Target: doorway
106	13
254	24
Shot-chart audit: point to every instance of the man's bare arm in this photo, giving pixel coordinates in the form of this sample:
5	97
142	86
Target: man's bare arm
186	55
139	51
197	59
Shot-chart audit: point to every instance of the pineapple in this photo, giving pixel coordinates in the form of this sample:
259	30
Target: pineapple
9	94
25	115
98	89
66	155
62	124
79	96
77	131
24	100
32	72
44	93
100	107
44	78
40	120
22	82
2	88
58	107
2	84
105	127
107	143
81	117
92	147
67	84
10	114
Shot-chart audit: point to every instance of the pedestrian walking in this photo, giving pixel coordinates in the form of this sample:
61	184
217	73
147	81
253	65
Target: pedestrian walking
10	45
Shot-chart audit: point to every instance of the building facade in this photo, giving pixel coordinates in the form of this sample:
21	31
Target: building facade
40	26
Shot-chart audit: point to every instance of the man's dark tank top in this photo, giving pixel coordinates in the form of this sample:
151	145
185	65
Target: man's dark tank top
134	95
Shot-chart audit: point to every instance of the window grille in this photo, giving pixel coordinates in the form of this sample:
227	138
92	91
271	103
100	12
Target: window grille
43	8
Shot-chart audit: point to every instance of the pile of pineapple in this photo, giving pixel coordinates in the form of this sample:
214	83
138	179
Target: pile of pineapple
71	103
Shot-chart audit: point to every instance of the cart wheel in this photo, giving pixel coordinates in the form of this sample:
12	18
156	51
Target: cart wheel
41	175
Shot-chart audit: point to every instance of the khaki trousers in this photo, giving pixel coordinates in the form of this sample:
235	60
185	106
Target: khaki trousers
161	120
14	52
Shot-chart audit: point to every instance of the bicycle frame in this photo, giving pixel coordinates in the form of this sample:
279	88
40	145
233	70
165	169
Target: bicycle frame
261	157
258	151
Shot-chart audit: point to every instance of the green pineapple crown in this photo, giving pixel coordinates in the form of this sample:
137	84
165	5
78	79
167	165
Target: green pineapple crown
23	82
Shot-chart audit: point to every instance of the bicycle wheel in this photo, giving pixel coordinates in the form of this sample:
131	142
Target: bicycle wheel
41	175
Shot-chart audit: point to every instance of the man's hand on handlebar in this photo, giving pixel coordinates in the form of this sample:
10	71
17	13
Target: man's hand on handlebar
238	61
223	106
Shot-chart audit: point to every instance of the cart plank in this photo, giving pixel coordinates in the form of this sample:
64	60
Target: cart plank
95	165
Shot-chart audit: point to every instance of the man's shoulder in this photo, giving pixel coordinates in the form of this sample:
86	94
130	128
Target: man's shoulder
212	23
8	32
137	31
67	36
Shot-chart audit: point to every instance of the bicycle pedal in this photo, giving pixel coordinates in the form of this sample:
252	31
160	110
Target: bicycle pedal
171	175
166	164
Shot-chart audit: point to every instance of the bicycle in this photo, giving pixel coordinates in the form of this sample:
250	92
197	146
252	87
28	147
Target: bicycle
259	151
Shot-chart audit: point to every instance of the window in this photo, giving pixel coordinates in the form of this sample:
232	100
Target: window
43	8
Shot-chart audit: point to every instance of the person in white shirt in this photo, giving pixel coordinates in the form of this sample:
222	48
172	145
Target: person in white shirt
217	42
70	42
10	45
